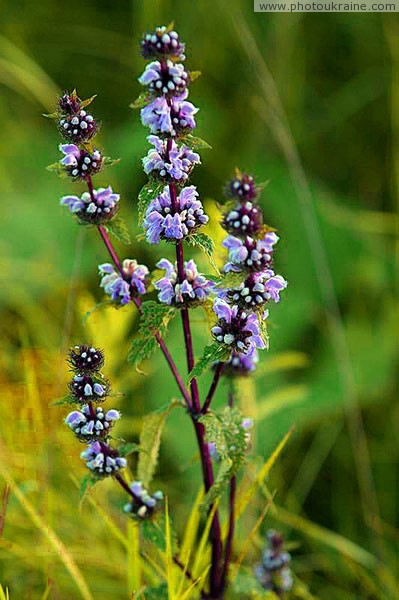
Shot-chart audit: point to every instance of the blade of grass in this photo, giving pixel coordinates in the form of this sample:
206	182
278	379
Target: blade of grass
47	532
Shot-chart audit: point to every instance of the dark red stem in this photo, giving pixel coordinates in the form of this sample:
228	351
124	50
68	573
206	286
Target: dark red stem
212	389
230	533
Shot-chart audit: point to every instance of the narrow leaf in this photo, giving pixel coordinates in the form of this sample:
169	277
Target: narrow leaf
195	143
128	448
88	101
141	101
194	75
109	162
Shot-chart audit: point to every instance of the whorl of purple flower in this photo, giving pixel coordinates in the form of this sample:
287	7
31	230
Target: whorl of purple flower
85	359
173	117
250	254
74	123
241	364
237	329
166	78
96	208
274	573
80	163
256	290
193	289
87	388
162	42
244	219
88	427
102	460
242	186
121	289
172	164
142	504
162	222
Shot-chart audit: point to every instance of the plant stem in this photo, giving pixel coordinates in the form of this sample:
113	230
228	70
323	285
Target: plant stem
116	260
230	533
212	389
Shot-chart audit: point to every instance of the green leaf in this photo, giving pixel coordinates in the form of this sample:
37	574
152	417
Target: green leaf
88	101
58	169
148	192
194	75
66	400
98	306
155	318
128	448
263	327
109	162
117	227
153	531
150	441
226	432
205	244
212	353
246	585
141	101
195	143
154	593
231	280
53	115
88	481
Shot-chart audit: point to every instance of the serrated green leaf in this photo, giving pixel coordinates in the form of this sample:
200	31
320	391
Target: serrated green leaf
66	400
231	280
148	192
226	432
150	441
117	227
204	243
109	162
128	448
212	353
195	143
88	481
155	318
194	75
141	101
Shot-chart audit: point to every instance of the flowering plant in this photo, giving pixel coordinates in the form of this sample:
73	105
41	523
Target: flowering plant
171	210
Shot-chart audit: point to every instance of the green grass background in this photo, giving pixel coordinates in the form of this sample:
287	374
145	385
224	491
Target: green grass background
307	102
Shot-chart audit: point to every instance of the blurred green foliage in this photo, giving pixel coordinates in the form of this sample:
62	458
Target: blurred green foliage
332	100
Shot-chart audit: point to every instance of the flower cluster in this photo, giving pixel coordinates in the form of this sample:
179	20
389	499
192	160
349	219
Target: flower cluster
274	573
92	426
240	308
174	213
246	425
142	505
122	289
168	161
74	123
165	221
194	289
96	207
81	161
90	423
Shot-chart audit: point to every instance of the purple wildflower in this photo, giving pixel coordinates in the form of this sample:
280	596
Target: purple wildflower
85	388
165	78
174	163
90	424
86	359
256	290
161	43
241	364
96	208
122	289
174	117
195	288
250	254
236	328
163	221
242	186
142	505
102	460
274	573
74	123
244	219
80	163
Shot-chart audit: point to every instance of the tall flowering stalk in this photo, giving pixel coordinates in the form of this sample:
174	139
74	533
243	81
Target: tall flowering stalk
170	210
